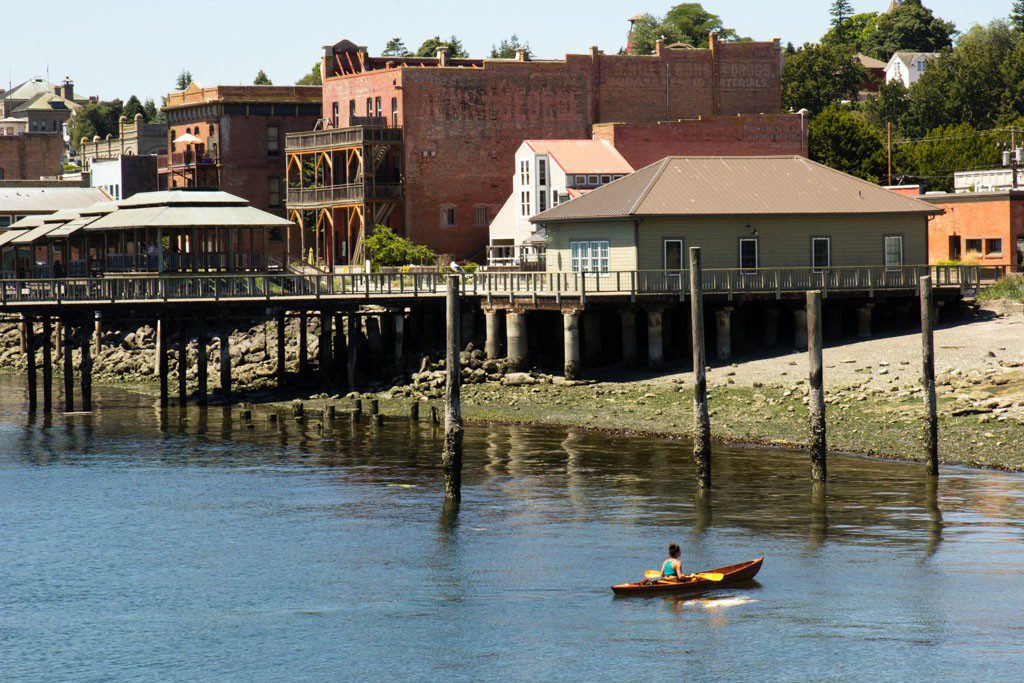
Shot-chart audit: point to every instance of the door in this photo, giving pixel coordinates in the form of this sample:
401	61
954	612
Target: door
954	248
673	261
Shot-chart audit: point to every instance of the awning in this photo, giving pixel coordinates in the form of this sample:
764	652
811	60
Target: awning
188	217
187	139
30	236
10	235
70	228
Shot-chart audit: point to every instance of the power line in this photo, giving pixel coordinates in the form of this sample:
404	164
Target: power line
962	136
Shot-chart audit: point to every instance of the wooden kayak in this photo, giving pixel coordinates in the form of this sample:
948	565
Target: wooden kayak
734	574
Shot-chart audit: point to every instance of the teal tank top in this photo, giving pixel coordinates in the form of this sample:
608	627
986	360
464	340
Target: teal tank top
668	570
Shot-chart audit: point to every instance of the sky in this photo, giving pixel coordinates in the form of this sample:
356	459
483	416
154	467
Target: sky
116	49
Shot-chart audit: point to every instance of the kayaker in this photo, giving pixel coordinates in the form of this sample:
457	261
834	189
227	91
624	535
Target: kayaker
672	568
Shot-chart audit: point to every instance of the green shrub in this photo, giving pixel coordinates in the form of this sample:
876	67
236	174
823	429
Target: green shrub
1010	287
385	248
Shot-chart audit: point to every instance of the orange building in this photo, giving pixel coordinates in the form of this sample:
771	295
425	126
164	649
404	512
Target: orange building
986	228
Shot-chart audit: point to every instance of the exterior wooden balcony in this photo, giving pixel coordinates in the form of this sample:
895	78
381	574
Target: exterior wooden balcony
341	138
187	159
342	195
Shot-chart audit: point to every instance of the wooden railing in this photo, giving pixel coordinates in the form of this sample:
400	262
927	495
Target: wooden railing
508	285
341	137
342	194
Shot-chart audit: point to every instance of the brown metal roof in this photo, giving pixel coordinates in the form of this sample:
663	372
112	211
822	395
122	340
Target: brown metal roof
735	186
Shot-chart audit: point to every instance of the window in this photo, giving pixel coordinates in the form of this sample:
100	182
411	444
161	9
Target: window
211	130
369	106
542	200
554	197
954	248
480	215
748	254
542	172
273	141
993	247
894	251
973	246
673	254
589	256
605	179
274	192
1	174
394	112
524	172
524	203
593	180
377	108
351	110
334	114
821	253
5	221
447	216
920	67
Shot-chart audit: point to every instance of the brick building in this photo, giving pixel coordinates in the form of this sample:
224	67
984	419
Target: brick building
138	138
232	138
986	228
461	121
30	156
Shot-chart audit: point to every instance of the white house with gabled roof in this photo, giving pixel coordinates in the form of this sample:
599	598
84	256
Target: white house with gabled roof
547	173
907	67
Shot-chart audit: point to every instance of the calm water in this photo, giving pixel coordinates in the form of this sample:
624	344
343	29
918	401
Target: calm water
197	549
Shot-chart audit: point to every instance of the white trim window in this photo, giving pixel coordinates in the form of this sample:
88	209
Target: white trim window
447	215
589	256
748	256
893	252
524	172
524	204
821	254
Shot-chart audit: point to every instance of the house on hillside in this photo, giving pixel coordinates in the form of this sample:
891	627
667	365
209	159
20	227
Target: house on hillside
907	67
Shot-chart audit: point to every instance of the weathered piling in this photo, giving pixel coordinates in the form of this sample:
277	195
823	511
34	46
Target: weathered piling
398	339
434	417
627	319
330	412
324	345
492	326
97	333
183	335
85	364
281	338
225	361
414	411
338	352
298	409
29	335
303	345
655	342
161	359
817	390
202	368
516	342
47	364
701	420
352	327
928	376
451	456
357	410
69	371
571	342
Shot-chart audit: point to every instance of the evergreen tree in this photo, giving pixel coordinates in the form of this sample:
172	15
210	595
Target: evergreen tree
132	107
396	48
153	115
685	23
841	139
841	11
430	45
506	49
262	79
1017	16
184	79
910	27
312	78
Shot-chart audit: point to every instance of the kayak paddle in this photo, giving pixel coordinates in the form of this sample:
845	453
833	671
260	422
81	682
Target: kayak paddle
707	576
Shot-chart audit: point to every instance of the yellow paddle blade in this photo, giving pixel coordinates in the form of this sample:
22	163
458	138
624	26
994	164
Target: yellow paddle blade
710	576
652	574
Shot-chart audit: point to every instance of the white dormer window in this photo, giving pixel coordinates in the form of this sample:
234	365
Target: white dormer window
920	66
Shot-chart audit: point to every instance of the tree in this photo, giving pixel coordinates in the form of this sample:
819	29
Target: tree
821	75
153	115
1017	16
396	48
506	49
839	138
946	149
852	32
132	107
910	27
312	78
841	11
184	79
262	79
686	23
95	119
889	106
430	45
385	248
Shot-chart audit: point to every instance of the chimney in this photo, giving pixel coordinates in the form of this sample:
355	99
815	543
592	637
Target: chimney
522	54
659	46
67	89
442	55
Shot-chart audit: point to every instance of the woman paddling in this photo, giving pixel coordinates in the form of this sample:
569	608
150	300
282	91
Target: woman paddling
671	569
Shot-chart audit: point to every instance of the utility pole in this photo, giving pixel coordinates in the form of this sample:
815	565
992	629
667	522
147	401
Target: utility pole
888	129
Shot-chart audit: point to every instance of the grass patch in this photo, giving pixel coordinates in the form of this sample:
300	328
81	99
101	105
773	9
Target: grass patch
1010	288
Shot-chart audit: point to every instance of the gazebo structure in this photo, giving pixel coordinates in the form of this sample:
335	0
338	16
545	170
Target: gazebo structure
180	231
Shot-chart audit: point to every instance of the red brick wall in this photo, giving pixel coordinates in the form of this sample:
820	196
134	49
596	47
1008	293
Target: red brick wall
463	125
30	155
983	217
643	144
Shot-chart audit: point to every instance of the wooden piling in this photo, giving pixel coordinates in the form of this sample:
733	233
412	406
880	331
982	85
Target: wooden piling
225	361
69	371
298	408
183	335
414	411
324	344
47	364
701	420
815	378
357	410
398	339
29	336
330	412
352	327
339	353
202	368
161	359
281	338
451	455
434	417
928	376
374	406
85	364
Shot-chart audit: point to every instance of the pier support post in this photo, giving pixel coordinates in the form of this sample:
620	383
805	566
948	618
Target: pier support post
833	320
161	359
58	339
202	368
800	329
69	371
29	337
352	325
303	345
627	318
518	354
864	321
723	333
398	321
183	335
97	333
371	323
770	329
817	388
928	376
451	456
324	344
282	338
339	352
571	340
701	420
225	361
655	343
85	364
47	364
492	345
592	337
